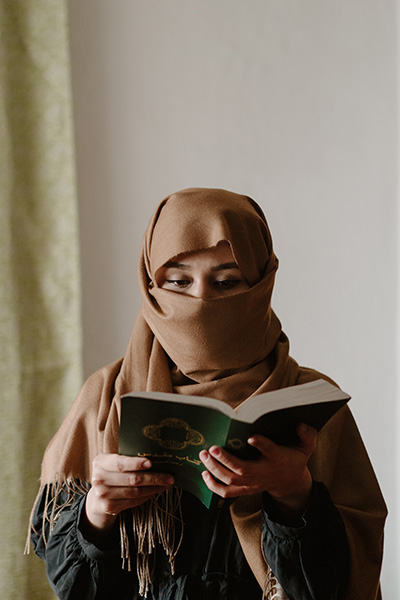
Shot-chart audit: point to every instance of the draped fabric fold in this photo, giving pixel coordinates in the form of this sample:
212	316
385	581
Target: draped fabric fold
40	345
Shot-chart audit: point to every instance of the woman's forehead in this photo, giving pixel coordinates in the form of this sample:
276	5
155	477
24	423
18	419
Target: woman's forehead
199	219
221	254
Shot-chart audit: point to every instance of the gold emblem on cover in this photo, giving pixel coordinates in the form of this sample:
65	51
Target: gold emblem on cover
235	444
173	434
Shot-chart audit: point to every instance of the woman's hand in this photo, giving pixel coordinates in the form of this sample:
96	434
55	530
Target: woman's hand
118	483
280	470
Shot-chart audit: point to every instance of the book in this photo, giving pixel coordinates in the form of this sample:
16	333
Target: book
171	429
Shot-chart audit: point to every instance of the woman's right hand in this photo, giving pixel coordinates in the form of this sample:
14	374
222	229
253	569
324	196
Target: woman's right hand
119	482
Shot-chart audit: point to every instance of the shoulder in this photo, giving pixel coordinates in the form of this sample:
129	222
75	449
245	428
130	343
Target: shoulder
307	374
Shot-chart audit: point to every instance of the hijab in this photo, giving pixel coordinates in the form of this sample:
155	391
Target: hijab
225	347
229	347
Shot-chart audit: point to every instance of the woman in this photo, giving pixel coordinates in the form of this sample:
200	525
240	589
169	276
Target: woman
303	522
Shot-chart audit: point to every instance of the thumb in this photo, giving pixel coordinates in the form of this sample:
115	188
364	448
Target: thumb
308	438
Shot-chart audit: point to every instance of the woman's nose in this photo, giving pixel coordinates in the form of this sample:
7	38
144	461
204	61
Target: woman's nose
202	288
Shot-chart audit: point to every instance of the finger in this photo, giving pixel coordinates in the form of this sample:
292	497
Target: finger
133	478
229	461
307	438
307	441
113	506
225	491
117	462
125	493
266	446
218	469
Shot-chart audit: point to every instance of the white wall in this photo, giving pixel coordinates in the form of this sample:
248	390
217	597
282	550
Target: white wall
292	103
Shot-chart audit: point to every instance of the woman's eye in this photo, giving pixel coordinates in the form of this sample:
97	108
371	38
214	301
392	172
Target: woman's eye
226	283
179	283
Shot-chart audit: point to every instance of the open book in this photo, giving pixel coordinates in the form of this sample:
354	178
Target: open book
171	429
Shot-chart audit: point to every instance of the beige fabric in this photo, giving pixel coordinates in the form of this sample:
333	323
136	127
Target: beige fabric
40	327
227	347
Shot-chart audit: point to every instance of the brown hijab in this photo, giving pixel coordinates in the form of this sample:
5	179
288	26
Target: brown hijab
229	348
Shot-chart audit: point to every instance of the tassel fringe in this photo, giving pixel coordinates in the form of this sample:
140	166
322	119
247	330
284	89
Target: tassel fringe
59	495
273	589
158	521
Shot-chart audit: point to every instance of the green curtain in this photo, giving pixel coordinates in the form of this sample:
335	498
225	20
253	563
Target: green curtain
40	333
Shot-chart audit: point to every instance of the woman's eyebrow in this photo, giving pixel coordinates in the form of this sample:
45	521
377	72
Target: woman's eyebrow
223	266
176	265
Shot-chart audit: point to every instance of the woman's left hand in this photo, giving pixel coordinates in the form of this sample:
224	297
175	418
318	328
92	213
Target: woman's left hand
280	470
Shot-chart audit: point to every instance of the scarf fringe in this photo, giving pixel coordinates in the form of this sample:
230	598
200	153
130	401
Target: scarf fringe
60	494
158	521
272	588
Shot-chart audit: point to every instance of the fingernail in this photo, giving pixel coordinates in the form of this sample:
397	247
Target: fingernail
215	451
146	464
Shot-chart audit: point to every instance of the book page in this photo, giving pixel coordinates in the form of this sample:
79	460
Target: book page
315	392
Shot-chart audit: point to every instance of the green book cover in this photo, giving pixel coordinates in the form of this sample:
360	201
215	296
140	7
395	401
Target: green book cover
171	429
